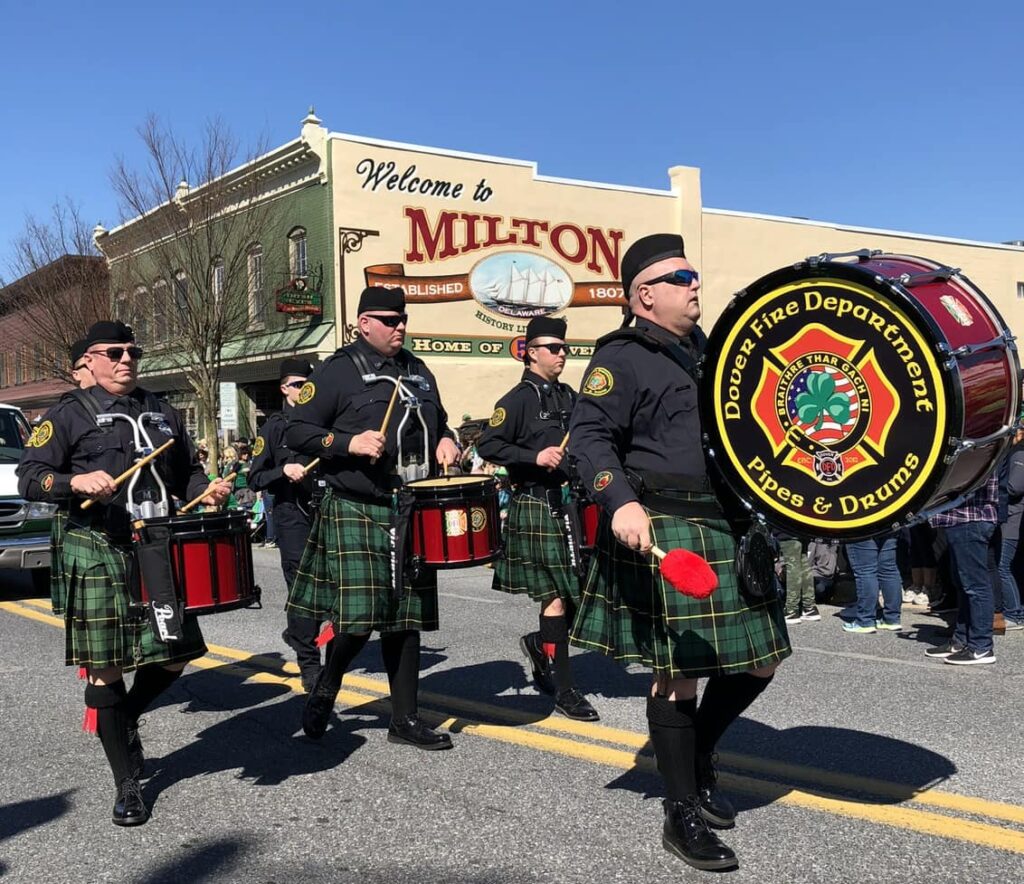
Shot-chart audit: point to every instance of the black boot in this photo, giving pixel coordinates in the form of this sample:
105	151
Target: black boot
319	705
572	704
530	645
714	806
136	756
687	835
410	731
129	809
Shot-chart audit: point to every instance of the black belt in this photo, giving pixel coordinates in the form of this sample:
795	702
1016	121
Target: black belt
665	502
552	495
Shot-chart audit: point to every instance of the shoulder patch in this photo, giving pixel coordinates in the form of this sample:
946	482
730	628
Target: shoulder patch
307	393
599	382
258	446
47	482
498	418
40	435
602	480
327	440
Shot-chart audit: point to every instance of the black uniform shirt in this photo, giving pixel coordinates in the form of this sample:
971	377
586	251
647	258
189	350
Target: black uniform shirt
532	416
68	442
637	410
270	456
337	404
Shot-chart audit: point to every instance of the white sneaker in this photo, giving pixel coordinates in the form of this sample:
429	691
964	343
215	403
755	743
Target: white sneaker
910	596
921	598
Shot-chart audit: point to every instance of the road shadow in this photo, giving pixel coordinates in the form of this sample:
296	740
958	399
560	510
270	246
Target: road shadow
198	862
757	755
932	632
20	816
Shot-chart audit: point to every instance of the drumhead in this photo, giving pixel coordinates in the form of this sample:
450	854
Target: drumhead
454	486
824	401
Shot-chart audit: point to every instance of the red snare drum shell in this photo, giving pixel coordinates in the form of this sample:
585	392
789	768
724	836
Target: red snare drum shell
455	521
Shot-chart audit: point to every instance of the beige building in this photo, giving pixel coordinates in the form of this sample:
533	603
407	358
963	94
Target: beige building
481	243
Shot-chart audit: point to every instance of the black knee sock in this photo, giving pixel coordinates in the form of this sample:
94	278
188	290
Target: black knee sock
112	721
150	682
671	724
341	651
401	653
725	699
302	632
554	631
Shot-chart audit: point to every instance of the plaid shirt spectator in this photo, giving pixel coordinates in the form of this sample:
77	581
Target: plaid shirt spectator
981	506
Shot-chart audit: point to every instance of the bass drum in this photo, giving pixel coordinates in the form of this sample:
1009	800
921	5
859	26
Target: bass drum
846	398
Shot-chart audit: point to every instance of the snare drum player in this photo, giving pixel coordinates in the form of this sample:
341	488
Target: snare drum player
279	470
346	571
70	459
525	435
636	436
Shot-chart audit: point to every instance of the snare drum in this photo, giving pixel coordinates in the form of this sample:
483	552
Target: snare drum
455	521
845	398
211	560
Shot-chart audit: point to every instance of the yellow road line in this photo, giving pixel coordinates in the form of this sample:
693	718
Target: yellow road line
898	816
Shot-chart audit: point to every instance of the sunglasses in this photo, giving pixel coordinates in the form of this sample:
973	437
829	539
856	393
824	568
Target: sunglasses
391	320
676	277
79	367
114	354
553	349
296	385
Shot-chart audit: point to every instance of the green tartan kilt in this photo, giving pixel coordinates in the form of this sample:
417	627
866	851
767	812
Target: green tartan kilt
536	559
101	629
629	612
345	573
58	582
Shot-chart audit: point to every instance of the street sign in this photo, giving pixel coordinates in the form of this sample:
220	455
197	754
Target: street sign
228	406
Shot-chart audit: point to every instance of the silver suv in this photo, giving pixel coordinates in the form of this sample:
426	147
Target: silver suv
24	526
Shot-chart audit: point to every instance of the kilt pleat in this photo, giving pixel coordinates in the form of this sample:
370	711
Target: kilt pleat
629	612
101	628
58	579
536	559
345	573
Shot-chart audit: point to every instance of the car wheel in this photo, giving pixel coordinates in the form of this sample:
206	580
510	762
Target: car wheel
41	581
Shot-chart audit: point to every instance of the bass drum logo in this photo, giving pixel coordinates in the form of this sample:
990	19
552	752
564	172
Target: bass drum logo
826	406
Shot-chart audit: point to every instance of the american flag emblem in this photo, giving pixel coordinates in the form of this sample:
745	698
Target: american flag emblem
822	402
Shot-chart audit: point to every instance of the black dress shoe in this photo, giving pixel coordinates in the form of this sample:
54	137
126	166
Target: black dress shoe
572	704
714	806
318	708
686	834
410	731
136	757
530	645
129	809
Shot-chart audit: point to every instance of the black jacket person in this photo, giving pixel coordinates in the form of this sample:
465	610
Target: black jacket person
637	439
525	434
71	459
346	572
279	470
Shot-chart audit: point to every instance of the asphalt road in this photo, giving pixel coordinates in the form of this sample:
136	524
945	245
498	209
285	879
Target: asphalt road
864	762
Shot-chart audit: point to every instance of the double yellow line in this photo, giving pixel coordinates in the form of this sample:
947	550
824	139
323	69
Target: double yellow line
930	811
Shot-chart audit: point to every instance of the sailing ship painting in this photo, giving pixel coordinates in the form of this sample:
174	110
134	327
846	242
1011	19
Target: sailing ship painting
520	284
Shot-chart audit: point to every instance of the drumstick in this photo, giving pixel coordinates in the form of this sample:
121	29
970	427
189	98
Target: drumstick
138	465
387	416
196	500
310	465
565	442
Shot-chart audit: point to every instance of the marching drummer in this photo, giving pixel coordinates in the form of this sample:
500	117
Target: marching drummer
282	472
71	459
637	438
525	434
346	575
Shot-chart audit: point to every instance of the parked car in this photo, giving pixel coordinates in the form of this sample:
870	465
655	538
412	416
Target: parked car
24	526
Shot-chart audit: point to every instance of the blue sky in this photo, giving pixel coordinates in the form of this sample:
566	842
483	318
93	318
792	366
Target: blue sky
902	115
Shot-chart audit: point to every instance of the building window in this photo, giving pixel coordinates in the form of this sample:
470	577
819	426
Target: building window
161	331
38	362
1020	291
217	279
179	315
297	252
19	365
257	295
3	370
140	310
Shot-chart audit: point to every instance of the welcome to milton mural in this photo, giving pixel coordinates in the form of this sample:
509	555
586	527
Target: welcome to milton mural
513	280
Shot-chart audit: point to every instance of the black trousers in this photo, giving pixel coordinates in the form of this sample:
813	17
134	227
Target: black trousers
291	525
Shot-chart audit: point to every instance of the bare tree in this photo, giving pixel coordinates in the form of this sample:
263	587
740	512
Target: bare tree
59	283
180	262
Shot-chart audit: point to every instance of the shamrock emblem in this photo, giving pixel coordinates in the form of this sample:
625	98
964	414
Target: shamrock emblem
821	400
